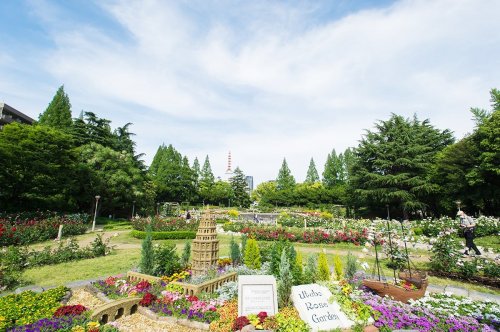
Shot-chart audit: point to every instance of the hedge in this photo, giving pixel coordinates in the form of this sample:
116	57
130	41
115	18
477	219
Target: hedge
174	235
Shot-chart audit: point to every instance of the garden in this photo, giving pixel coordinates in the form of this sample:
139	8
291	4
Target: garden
335	253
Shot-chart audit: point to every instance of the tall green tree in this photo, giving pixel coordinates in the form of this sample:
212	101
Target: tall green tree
394	162
265	193
334	170
38	169
207	180
312	174
240	188
197	172
285	179
58	113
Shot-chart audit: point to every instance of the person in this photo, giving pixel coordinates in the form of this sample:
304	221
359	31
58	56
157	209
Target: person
468	225
188	216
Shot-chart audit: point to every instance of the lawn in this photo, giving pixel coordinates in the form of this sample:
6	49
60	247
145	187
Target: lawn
127	256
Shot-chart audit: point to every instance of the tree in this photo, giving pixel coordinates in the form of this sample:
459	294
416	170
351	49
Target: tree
333	173
285	281
240	189
285	179
122	139
58	113
394	162
323	268
235	252
221	193
265	193
299	269
39	169
312	174
311	270
197	173
252	254
147	253
207	180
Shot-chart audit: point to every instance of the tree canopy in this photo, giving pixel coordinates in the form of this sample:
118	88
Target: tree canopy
58	113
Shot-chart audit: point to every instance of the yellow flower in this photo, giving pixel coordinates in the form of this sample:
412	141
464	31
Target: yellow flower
91	325
78	328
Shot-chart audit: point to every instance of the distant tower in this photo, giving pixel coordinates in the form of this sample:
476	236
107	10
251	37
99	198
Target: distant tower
229	170
205	248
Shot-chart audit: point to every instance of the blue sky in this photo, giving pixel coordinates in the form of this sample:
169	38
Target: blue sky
263	79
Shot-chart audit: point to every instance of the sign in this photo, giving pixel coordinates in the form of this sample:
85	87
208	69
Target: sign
257	293
311	301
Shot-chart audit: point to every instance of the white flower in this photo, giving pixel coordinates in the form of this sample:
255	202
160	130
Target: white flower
365	266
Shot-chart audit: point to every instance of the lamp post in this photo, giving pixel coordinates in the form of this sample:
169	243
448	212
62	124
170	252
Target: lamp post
133	209
158	208
388	215
95	212
458	204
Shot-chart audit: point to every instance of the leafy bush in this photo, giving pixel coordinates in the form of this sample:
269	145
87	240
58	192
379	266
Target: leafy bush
445	252
484	225
166	224
323	268
174	235
15	230
166	261
252	254
28	307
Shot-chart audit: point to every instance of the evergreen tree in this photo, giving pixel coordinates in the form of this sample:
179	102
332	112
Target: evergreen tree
186	253
252	254
311	270
147	253
323	268
394	163
285	281
299	268
207	180
285	180
240	188
58	113
312	174
235	252
123	140
333	172
197	173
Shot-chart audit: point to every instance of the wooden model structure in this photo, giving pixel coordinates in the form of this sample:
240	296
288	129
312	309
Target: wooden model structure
205	247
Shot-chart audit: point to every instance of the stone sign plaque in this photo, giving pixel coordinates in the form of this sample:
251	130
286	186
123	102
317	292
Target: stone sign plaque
257	293
311	301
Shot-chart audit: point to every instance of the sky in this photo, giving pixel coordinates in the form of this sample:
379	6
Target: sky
265	80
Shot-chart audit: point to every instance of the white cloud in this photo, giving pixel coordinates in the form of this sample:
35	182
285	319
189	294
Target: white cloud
278	84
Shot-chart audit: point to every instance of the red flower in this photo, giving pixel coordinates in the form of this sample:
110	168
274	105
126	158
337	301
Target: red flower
262	316
192	298
240	322
147	299
70	310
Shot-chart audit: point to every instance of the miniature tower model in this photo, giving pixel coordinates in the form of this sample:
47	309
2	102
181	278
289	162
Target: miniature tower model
205	247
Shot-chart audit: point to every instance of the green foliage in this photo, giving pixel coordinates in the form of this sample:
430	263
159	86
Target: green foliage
312	174
39	169
172	176
240	189
186	253
28	307
338	267
288	320
166	261
234	249
445	253
58	113
252	254
147	254
351	266
311	270
323	268
394	161
173	235
207	180
285	180
298	269
244	239
285	280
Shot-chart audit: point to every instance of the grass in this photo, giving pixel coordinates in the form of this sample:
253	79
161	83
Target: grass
491	241
128	256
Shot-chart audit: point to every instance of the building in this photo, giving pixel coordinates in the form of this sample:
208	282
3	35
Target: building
249	180
9	114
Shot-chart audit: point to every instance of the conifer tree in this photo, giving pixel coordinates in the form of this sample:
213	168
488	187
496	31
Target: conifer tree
207	180
235	252
285	180
252	254
186	253
296	265
338	267
147	253
244	239
197	171
311	270
285	281
333	170
58	113
323	268
312	174
240	189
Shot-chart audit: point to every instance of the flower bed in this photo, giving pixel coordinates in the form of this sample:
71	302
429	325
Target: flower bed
29	307
396	315
19	230
165	224
165	235
116	287
269	233
432	227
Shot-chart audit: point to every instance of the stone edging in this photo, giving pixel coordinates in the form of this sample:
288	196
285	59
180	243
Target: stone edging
97	293
180	321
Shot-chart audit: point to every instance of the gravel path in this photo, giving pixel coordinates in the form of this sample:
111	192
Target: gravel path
81	296
139	323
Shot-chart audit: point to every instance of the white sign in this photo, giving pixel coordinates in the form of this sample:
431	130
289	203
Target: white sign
257	293
311	301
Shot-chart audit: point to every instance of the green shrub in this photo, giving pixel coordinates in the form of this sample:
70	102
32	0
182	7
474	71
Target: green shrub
147	254
491	269
235	252
418	231
338	267
174	235
445	253
186	253
166	261
323	268
351	266
285	280
311	270
165	224
252	254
